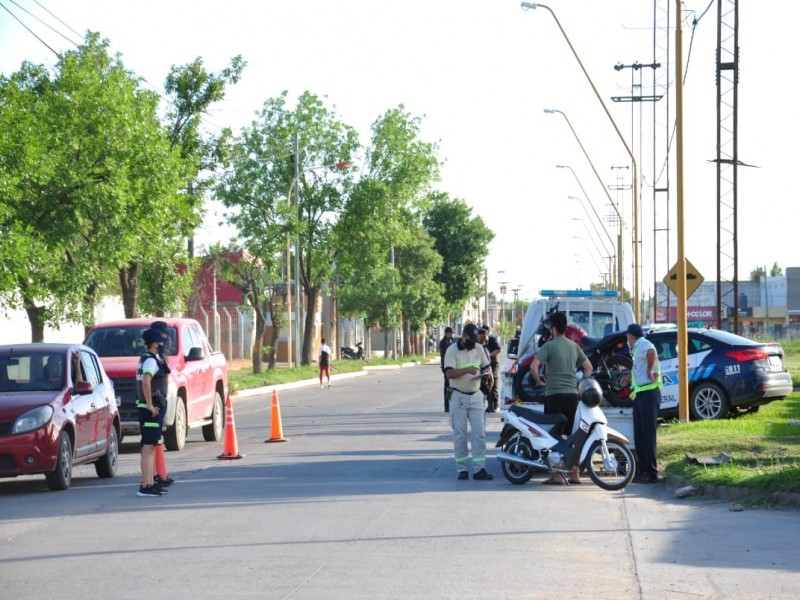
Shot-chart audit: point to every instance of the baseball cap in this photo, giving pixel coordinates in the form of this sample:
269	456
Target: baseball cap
635	330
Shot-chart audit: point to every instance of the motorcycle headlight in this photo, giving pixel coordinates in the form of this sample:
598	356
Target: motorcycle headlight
33	419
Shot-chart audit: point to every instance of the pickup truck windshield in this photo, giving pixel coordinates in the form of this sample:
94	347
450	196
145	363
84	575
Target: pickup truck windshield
125	341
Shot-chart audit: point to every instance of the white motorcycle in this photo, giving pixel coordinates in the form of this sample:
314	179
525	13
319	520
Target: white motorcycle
530	441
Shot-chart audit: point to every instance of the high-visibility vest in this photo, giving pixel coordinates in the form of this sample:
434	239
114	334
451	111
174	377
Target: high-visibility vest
635	387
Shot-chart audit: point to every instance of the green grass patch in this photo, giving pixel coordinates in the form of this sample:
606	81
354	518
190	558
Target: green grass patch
764	446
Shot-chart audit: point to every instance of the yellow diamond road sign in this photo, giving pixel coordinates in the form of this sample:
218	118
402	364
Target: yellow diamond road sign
693	279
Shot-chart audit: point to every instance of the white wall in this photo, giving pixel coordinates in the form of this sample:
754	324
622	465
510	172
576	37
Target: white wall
15	328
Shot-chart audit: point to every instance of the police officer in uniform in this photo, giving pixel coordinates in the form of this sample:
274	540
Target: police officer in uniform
163	348
464	362
646	393
492	347
151	389
444	344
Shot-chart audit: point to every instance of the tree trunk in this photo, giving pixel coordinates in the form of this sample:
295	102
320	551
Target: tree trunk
311	295
387	353
129	284
406	337
36	318
261	325
275	312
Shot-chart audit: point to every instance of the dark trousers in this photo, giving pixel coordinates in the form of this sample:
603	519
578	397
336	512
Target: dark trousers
493	395
645	423
567	405
447	392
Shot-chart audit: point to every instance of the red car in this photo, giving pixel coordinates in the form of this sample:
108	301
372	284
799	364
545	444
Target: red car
57	410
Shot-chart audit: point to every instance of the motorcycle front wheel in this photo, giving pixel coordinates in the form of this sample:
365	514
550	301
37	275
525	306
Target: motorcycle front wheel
516	473
613	471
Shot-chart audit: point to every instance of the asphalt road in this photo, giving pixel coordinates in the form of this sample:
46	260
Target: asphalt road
362	502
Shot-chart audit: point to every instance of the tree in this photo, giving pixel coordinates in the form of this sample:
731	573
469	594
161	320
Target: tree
91	166
399	170
320	187
192	91
252	189
463	243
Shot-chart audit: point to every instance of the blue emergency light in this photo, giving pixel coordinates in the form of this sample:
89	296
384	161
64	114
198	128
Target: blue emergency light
579	293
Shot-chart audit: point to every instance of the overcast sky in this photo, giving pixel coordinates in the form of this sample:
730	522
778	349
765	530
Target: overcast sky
480	73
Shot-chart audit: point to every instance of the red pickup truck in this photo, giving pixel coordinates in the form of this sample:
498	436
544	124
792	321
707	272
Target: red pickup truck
197	384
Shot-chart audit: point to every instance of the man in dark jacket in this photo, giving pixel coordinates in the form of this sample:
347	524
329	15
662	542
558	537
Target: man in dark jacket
446	342
492	347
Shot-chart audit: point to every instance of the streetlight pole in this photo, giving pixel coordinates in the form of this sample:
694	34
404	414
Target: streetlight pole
620	284
636	292
620	264
611	257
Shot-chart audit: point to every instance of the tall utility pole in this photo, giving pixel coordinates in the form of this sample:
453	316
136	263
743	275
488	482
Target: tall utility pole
636	99
727	163
298	303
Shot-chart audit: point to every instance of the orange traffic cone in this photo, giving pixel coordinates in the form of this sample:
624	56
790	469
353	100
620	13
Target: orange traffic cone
277	429
161	462
231	445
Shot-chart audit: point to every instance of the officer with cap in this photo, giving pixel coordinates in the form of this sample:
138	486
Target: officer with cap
465	363
151	388
646	393
444	344
163	348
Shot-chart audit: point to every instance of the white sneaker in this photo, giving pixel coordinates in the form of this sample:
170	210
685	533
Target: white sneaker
329	386
320	386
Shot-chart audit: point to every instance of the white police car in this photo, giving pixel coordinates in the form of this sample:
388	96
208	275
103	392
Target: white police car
727	372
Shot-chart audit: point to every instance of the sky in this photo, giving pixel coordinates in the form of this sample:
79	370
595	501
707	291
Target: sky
479	73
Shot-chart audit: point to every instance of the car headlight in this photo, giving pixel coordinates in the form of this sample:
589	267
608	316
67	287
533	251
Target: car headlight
33	419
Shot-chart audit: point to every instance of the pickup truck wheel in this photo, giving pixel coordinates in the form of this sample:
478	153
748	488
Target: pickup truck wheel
213	431
175	435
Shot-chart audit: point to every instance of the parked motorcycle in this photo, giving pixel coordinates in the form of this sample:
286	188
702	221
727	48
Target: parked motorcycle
532	442
349	353
609	355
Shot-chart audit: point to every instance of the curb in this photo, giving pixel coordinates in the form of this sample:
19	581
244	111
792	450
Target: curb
250	392
727	493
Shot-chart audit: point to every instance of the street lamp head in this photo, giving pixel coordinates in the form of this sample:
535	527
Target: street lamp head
528	5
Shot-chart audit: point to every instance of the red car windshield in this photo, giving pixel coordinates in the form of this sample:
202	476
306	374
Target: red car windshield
31	372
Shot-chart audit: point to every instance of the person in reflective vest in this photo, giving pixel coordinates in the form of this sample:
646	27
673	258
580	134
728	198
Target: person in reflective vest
646	393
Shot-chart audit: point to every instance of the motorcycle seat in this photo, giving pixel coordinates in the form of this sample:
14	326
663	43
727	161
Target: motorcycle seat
537	416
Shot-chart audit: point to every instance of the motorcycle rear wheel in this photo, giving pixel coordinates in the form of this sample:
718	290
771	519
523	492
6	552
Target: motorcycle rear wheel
518	474
614	393
614	476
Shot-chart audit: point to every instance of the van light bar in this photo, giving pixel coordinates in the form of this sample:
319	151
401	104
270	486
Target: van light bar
580	293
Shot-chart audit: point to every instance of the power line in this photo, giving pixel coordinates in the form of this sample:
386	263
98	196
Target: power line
29	29
53	29
57	19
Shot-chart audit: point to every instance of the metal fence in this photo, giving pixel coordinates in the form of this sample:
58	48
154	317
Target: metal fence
230	329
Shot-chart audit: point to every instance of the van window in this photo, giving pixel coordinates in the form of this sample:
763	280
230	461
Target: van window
597	325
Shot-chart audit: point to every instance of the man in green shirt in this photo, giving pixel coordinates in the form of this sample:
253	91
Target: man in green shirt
561	357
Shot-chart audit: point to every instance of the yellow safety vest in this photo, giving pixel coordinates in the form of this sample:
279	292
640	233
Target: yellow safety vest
635	387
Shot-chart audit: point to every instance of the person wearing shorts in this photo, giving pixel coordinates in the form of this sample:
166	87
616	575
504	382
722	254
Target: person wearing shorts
324	363
148	407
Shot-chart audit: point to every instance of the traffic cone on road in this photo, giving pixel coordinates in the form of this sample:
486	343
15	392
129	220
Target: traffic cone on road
277	428
161	462
231	445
